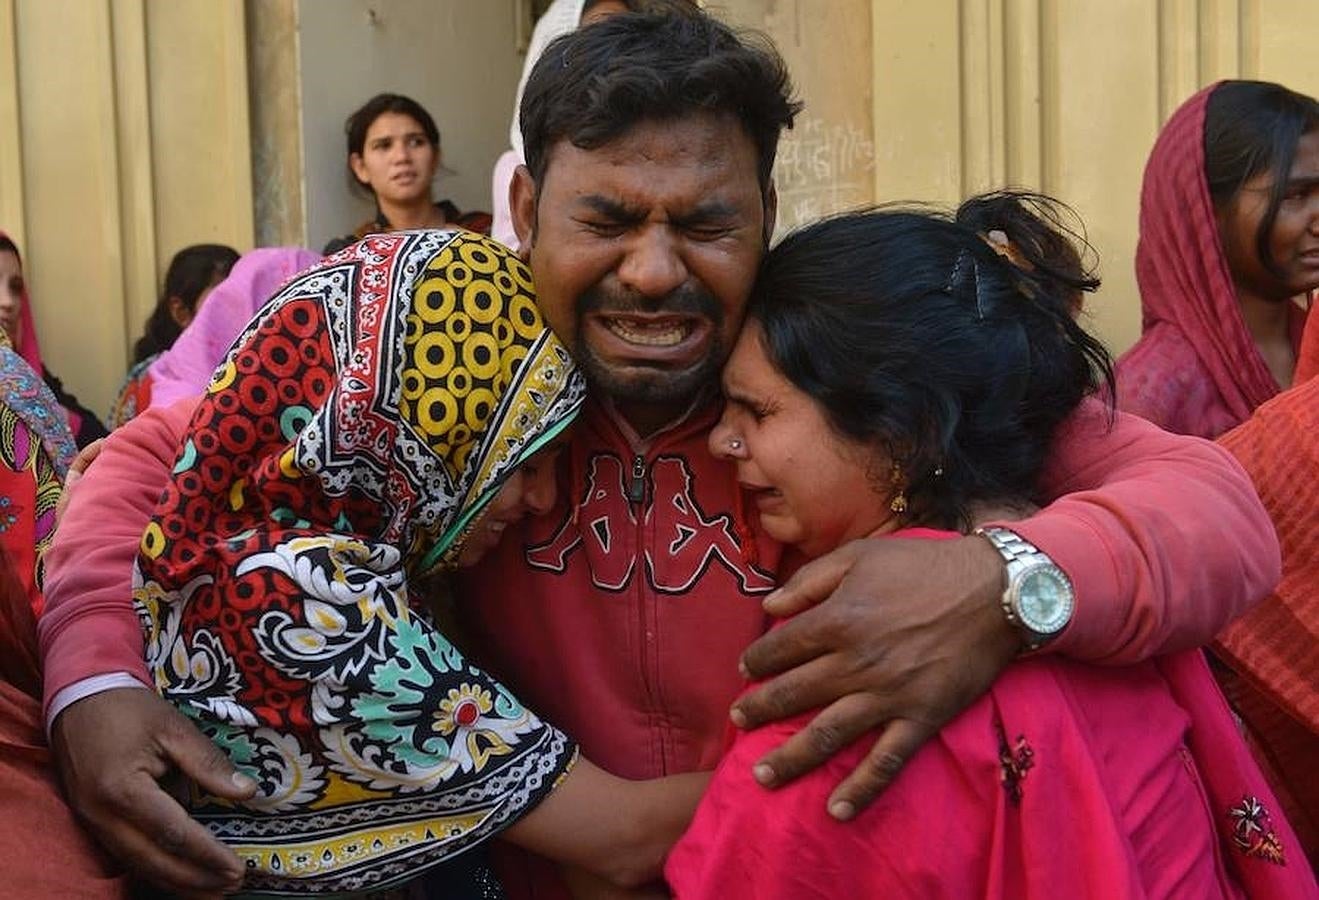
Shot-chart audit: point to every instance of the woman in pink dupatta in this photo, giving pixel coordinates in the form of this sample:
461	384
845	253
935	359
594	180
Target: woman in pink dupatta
904	375
1229	236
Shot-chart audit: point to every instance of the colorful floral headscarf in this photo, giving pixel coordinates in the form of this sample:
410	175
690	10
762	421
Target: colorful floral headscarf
344	448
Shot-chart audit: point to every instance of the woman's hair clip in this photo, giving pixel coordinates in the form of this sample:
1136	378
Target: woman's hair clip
997	239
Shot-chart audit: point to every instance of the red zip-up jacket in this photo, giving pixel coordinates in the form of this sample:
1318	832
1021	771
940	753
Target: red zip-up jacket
625	609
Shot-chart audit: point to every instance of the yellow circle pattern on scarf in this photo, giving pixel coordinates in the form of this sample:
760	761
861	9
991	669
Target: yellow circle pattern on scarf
471	323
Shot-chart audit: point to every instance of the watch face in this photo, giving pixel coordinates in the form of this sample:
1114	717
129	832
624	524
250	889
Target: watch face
1044	600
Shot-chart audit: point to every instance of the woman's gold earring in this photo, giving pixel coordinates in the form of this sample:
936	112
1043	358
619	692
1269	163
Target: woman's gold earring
899	502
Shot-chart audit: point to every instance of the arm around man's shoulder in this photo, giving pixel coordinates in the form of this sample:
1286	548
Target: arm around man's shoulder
89	628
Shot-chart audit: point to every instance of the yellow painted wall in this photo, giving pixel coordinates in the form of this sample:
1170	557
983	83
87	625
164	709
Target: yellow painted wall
123	137
826	162
1066	96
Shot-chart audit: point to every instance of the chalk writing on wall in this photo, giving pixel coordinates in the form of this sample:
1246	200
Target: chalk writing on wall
823	167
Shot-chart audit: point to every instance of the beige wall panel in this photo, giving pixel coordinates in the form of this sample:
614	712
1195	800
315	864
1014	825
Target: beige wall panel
137	189
200	146
918	103
826	163
130	120
457	58
984	157
1107	115
11	144
275	100
1023	97
1221	39
1179	53
1286	43
1065	96
71	192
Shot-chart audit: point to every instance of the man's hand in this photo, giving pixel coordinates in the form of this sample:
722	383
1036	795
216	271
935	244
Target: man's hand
112	749
906	634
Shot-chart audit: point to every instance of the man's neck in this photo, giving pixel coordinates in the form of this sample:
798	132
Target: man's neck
643	421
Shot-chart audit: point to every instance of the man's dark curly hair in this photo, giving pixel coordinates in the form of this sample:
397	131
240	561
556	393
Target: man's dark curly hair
591	86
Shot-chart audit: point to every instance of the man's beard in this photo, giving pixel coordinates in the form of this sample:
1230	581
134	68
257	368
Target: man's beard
640	383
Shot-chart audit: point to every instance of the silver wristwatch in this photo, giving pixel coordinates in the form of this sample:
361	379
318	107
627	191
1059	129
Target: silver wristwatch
1039	600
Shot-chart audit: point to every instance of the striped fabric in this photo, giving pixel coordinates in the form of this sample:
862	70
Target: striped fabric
1275	648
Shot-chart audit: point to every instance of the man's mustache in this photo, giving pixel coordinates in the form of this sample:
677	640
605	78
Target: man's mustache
686	300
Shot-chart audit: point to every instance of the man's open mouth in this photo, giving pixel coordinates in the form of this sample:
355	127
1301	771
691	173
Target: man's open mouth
666	332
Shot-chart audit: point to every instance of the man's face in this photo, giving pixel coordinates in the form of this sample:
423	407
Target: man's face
644	252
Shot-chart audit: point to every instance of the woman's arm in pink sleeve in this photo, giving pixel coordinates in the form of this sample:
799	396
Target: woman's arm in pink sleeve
89	627
1162	535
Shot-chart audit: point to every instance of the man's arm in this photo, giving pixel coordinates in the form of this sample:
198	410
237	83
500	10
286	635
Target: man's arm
89	627
1162	536
113	746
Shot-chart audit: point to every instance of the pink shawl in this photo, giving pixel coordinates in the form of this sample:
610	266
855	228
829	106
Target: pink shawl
1196	369
185	369
1100	785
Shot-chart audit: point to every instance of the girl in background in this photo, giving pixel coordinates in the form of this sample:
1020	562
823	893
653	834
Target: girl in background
394	153
192	274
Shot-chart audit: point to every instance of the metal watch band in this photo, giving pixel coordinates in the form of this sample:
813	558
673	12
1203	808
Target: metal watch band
1012	546
1015	551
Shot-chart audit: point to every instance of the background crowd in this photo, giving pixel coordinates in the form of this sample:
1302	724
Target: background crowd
304	439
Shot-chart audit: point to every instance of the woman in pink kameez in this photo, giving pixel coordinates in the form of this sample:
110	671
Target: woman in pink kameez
904	375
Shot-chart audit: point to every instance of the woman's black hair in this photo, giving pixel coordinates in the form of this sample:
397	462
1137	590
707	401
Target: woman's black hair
191	271
1253	127
357	124
917	338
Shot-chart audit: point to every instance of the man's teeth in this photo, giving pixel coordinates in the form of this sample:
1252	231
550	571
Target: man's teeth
657	335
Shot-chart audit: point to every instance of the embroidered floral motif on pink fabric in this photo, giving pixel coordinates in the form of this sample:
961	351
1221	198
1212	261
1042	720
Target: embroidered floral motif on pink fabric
1252	831
1014	760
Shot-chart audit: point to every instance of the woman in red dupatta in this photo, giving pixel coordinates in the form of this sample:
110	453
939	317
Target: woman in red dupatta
1229	235
1275	682
19	325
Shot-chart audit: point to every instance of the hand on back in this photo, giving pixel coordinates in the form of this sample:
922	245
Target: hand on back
113	750
893	635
